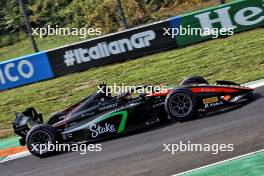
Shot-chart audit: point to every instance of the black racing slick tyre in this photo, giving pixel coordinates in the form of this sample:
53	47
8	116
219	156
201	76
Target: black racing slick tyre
40	138
180	104
194	80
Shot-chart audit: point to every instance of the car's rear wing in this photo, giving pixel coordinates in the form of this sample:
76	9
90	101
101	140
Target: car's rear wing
24	121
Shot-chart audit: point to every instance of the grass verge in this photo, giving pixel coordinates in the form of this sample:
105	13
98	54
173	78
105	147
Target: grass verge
25	47
238	58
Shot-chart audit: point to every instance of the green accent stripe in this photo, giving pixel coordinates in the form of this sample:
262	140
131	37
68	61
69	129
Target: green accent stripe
123	122
121	127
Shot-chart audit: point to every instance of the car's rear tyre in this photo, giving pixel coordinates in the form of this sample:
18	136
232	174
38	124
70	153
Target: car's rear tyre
180	104
194	80
40	137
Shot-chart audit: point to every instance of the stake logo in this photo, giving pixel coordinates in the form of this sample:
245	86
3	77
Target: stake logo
227	18
103	49
97	129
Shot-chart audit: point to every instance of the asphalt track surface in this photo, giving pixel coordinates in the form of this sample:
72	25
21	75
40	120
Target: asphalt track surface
141	153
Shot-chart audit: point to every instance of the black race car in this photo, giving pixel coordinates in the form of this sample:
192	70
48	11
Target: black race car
102	116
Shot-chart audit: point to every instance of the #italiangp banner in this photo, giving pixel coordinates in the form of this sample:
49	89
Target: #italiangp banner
238	16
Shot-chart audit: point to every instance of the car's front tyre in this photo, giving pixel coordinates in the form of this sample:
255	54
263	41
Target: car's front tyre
180	104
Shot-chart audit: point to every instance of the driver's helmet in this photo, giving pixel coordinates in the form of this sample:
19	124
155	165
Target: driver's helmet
125	95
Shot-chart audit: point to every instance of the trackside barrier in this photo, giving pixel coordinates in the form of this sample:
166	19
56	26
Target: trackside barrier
239	15
24	70
112	48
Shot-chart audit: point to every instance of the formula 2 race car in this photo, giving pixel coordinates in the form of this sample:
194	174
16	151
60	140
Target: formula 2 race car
102	116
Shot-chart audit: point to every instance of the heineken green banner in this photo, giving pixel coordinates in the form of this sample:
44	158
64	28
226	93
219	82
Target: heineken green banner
224	20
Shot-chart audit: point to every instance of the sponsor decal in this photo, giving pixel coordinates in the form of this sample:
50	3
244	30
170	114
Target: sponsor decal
232	17
5	74
121	127
97	129
111	48
24	70
237	98
212	105
210	100
247	16
107	107
104	49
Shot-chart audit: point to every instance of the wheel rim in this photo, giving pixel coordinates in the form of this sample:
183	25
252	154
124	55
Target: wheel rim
181	105
39	138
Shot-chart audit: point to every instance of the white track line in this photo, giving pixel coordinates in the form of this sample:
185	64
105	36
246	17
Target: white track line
253	84
220	162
